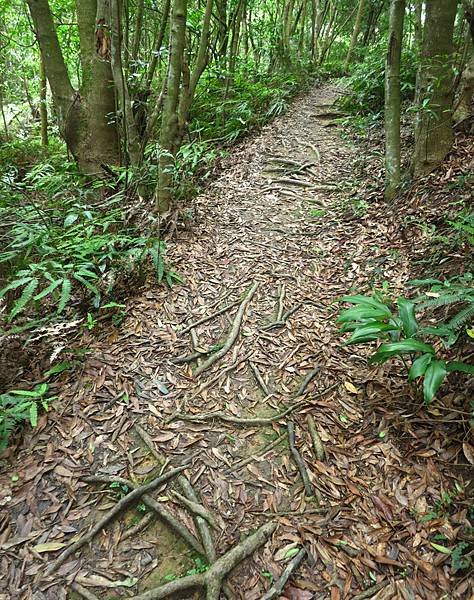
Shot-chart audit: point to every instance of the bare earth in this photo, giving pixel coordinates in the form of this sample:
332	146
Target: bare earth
385	464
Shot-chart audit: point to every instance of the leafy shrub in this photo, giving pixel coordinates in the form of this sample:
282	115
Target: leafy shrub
18	407
373	319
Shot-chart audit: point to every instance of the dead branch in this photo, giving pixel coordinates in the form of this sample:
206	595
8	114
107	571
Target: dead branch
157	507
371	591
234	332
208	318
259	378
279	585
250	459
309	491
315	438
212	579
281	302
306	381
250	420
123	503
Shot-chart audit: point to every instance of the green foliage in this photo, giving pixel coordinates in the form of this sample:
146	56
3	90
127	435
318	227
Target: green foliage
367	80
18	407
375	319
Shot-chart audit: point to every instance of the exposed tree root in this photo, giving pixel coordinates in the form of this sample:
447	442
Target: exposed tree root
208	318
140	526
233	334
279	585
212	579
82	591
157	507
250	420
315	438
246	461
282	322
259	378
371	591
123	503
309	491
306	381
196	509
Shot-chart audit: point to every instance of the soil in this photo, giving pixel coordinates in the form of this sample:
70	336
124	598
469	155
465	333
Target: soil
285	213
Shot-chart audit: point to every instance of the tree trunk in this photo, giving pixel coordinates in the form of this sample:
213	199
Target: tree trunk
169	123
463	109
392	98
355	33
418	23
85	117
433	129
43	108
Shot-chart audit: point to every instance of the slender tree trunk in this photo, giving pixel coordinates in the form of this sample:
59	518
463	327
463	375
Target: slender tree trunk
43	108
418	23
315	21
433	130
169	124
355	33
465	91
137	34
392	98
157	45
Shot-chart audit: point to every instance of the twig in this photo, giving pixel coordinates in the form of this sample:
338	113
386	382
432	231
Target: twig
234	332
213	578
279	585
250	421
123	503
250	459
309	491
259	378
196	509
159	509
140	526
195	343
190	357
208	318
281	302
283	320
315	438
82	591
306	381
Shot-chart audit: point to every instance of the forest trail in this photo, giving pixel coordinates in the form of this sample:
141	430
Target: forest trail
294	239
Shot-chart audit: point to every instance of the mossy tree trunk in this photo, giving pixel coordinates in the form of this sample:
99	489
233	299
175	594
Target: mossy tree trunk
392	98
43	108
355	33
433	129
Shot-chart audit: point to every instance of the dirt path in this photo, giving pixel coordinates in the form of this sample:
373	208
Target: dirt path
304	246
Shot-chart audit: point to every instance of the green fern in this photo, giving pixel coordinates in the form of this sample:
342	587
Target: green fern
23	300
447	299
463	317
65	295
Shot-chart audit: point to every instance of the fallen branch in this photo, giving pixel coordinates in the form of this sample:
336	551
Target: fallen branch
234	332
259	378
278	586
251	420
309	491
315	438
123	503
371	591
306	381
250	459
157	507
212	579
281	302
208	318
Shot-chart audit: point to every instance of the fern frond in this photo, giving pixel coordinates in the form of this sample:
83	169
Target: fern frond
463	317
445	300
65	295
23	300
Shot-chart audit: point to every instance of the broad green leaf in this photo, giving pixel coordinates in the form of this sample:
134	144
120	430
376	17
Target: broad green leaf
292	552
33	414
440	548
463	367
60	367
369	332
434	377
398	348
70	219
362	313
367	301
419	366
407	316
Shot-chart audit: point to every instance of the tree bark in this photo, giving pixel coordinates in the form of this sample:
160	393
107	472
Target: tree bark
169	123
433	129
43	108
355	33
418	23
392	98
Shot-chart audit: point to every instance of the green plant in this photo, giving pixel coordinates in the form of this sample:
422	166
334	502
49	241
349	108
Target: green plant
18	407
375	318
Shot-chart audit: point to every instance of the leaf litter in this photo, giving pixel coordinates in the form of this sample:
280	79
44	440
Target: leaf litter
378	463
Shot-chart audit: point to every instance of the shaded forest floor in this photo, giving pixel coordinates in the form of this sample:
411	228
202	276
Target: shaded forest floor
285	213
